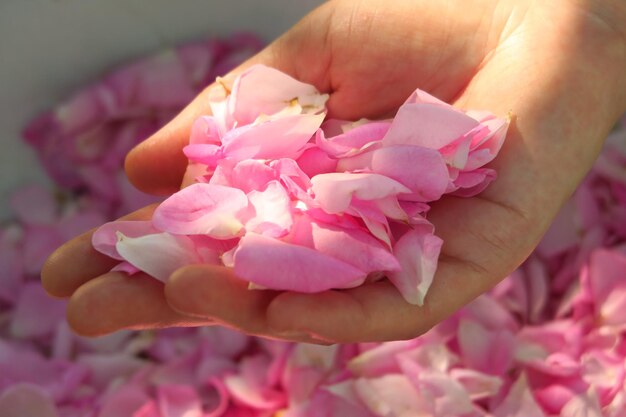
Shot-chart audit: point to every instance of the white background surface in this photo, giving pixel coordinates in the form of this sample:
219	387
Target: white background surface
50	48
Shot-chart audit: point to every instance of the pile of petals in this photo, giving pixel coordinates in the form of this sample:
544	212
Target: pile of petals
547	341
82	141
333	202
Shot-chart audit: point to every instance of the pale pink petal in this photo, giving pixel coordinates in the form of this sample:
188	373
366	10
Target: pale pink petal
158	255
417	251
389	395
105	368
471	183
202	209
281	138
422	170
294	179
352	139
429	125
334	192
420	96
272	211
582	406
105	238
250	385
262	90
301	269
519	402
381	359
179	401
251	174
26	400
352	246
490	352
608	287
485	147
330	401
447	396
477	384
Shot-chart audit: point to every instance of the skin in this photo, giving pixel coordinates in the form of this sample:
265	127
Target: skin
556	65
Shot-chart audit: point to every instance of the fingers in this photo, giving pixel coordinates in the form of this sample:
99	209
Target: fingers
117	301
213	293
77	262
373	312
376	311
157	164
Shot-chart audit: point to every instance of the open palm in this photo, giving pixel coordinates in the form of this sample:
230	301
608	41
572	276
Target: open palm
556	66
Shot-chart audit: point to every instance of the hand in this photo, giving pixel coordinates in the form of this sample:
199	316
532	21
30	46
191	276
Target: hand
558	66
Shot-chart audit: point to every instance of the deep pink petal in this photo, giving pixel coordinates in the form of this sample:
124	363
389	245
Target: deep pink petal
314	161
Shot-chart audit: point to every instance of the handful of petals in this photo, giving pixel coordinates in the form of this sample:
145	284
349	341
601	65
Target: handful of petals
332	203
